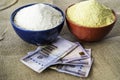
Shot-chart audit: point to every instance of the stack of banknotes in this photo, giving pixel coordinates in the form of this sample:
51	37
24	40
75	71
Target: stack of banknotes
63	56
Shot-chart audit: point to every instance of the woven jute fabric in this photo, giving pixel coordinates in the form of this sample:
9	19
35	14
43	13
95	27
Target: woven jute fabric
106	53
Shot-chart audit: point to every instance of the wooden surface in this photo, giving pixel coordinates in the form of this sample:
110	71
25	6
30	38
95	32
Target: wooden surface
106	53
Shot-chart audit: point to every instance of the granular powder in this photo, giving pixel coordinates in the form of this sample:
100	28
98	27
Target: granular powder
38	17
90	13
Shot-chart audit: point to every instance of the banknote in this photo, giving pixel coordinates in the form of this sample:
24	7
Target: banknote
77	53
85	61
45	56
78	67
74	57
76	70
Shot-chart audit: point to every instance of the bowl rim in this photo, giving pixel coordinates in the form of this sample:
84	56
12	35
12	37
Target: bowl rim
87	26
20	28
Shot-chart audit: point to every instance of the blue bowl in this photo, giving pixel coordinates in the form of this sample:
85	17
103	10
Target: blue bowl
39	37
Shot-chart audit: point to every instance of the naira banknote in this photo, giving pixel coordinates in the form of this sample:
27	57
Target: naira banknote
78	67
80	61
76	57
45	56
76	70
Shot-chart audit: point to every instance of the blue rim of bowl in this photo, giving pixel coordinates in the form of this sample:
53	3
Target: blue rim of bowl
18	9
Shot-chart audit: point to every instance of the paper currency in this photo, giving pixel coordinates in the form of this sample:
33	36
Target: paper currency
78	53
45	56
80	71
77	67
76	57
63	56
71	61
84	61
76	61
